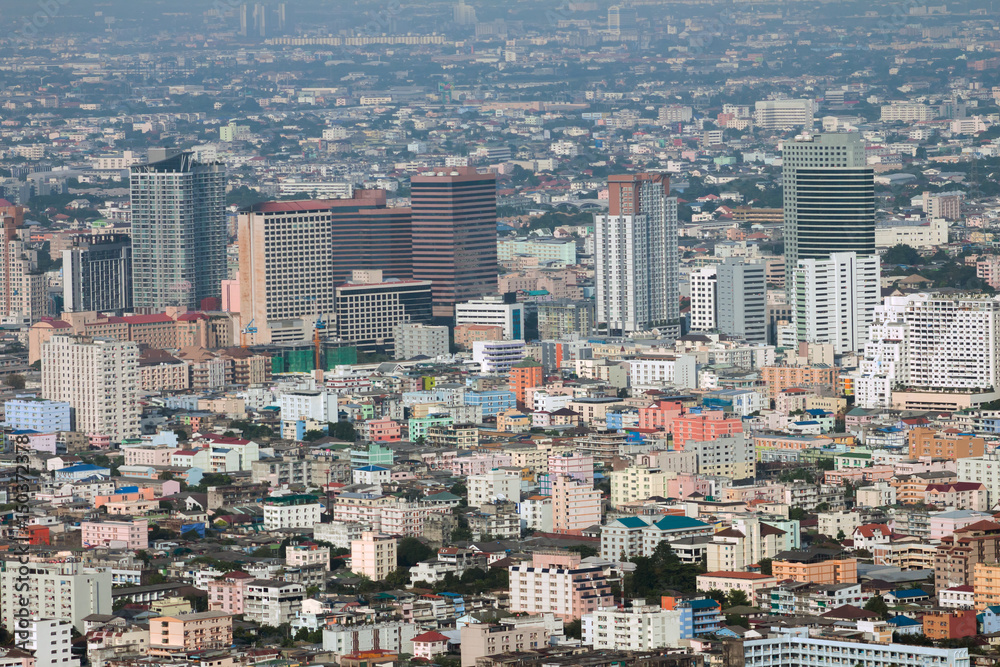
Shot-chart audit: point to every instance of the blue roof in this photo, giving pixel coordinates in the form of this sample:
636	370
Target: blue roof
903	621
677	522
82	467
128	489
372	469
632	522
706	603
911	593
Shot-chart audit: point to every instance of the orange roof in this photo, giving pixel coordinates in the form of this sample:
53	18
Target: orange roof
736	575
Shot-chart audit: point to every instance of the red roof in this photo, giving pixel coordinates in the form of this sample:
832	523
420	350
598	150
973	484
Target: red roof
872	529
431	636
147	319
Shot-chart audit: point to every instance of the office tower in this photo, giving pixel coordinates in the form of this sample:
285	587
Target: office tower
501	311
784	114
829	197
99	378
282	17
260	19
742	299
244	20
622	21
636	256
463	14
286	269
22	289
97	273
369	308
369	236
836	299
703	298
454	235
178	231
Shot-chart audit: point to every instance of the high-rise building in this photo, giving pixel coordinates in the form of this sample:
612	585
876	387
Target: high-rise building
829	197
48	639
179	231
930	343
703	298
286	269
741	289
502	311
368	309
22	289
53	590
99	378
564	318
836	299
97	274
454	235
636	256
370	236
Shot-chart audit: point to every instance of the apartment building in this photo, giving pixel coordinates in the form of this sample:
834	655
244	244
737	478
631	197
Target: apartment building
54	590
99	378
947	444
293	511
833	571
187	633
272	602
498	311
132	534
227	593
556	582
50	642
795	646
576	505
373	555
523	633
395	636
633	627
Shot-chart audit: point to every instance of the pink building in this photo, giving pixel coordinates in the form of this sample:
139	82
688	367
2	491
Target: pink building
231	295
705	427
480	464
554	582
859	475
120	497
958	495
573	465
575	505
946	523
686	484
382	430
227	592
99	440
126	534
660	415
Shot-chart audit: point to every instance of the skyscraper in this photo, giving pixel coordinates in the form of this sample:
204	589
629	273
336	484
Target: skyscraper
454	235
829	197
369	236
636	255
97	273
178	231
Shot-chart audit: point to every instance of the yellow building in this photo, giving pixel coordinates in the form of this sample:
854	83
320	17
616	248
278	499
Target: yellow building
986	584
634	483
187	633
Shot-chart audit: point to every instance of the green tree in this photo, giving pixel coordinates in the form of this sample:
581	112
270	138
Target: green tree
737	598
717	595
14	381
574	629
902	254
877	605
410	551
342	431
313	435
765	566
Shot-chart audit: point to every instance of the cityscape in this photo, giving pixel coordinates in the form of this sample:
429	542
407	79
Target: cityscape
481	333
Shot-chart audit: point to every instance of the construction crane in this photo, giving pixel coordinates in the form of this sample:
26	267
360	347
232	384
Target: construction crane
248	329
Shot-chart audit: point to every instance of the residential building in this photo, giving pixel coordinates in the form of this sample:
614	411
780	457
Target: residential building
396	636
54	590
414	339
498	357
97	274
99	378
796	646
627	537
576	505
178	252
37	414
725	454
132	534
497	484
557	582
373	555
751	583
703	292
188	633
524	375
636	259
293	511
519	633
564	318
454	235
832	571
633	627
948	444
228	592
272	602
49	640
836	299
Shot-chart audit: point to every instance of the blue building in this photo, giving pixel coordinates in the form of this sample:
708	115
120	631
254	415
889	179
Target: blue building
699	617
989	620
37	414
492	402
618	420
